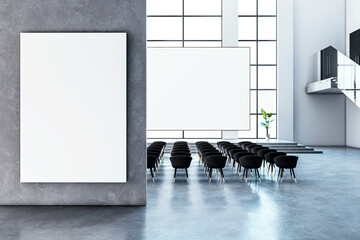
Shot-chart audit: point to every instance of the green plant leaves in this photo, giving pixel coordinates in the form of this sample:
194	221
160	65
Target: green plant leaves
264	113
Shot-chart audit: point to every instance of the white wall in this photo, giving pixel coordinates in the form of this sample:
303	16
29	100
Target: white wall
285	95
352	111
318	119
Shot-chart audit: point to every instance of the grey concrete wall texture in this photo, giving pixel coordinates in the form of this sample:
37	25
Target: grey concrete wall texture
66	16
318	119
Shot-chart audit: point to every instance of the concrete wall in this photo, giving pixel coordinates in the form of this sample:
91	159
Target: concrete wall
352	111
72	15
318	119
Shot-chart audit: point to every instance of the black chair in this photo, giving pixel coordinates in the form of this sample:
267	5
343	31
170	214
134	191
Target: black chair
232	152
181	162
241	143
237	157
286	162
244	145
269	158
215	162
262	153
251	162
251	146
256	149
151	161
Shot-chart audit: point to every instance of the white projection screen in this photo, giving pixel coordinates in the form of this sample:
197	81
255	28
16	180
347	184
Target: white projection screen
73	107
198	89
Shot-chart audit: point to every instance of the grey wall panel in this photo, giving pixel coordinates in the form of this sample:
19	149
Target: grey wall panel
67	16
318	119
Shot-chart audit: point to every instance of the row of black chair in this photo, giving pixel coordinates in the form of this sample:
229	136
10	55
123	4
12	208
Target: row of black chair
180	158
210	158
155	154
251	156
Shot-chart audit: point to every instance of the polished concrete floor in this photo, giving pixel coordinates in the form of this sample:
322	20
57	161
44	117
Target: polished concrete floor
324	204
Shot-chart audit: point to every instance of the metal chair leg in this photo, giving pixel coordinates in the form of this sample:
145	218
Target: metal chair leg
222	175
152	175
187	175
174	175
294	175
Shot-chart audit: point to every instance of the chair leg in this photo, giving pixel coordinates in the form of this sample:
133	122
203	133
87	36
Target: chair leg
291	177
246	172
222	175
294	175
257	171
243	174
152	175
174	174
278	174
210	173
268	171
282	171
187	175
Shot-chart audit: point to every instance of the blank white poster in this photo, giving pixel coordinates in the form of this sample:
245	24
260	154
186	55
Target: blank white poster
73	107
198	88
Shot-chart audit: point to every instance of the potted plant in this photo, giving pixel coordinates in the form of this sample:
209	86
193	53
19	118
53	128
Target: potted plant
267	122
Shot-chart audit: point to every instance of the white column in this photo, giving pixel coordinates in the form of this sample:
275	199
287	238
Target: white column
230	39
285	93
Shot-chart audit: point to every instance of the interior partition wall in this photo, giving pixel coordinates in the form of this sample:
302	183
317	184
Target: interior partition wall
198	23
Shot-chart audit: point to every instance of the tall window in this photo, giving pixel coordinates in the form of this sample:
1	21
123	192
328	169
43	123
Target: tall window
197	23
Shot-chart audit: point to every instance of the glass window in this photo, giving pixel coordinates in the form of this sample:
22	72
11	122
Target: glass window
202	7
164	134
252	46
247	28
267	101
202	44
247	7
267	52
267	7
202	28
267	28
267	77
164	28
202	134
253	77
164	7
253	101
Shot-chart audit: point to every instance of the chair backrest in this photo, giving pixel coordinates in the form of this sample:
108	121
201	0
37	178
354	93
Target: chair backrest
235	150
250	161
215	161
180	154
221	143
286	161
244	145
269	157
180	161
151	159
262	152
251	146
157	154
241	143
256	149
238	155
214	153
